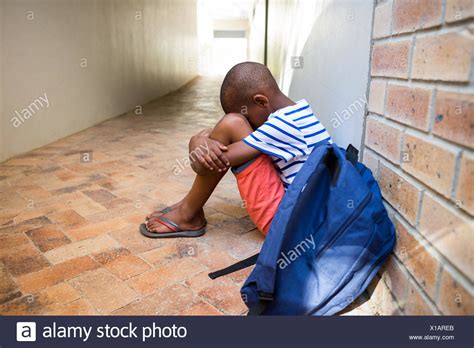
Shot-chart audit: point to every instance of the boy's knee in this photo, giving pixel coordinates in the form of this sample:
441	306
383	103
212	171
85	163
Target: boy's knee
231	128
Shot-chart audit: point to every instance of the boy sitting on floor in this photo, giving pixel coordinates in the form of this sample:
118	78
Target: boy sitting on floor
266	146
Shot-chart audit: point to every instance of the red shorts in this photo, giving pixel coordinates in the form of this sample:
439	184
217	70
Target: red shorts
261	190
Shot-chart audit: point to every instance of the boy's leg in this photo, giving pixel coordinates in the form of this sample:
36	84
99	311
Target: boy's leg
188	213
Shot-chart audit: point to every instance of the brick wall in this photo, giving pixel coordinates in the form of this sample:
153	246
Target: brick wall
419	141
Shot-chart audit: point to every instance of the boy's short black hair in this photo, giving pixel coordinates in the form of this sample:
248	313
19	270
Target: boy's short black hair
242	82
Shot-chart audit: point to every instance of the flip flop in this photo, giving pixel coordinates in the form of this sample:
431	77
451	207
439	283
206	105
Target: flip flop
162	211
177	231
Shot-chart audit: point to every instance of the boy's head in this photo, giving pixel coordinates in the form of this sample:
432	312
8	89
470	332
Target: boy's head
249	88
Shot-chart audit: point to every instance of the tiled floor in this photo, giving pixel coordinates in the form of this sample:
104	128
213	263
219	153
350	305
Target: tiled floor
69	240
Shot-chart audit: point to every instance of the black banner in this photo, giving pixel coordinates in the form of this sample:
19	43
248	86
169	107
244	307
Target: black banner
327	332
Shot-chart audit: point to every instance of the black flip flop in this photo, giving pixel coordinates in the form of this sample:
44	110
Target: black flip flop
177	231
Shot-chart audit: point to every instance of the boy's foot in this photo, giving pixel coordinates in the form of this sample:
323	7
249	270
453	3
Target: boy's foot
176	222
161	211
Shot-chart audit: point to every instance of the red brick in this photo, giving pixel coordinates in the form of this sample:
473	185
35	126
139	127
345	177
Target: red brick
465	191
416	304
391	59
381	299
417	259
382	20
454	297
411	15
371	161
448	232
458	10
383	138
408	105
396	280
377	96
445	57
429	162
400	193
47	238
33	282
455	117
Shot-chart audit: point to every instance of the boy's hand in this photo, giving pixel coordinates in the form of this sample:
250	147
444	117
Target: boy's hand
209	153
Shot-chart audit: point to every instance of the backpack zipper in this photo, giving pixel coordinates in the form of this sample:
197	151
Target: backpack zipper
346	223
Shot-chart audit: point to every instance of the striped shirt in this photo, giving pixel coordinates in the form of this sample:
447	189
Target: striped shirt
288	136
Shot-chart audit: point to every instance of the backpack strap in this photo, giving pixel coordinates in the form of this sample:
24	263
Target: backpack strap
352	154
250	261
264	300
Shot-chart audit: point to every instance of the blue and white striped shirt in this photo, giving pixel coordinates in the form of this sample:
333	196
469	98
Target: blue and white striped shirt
288	136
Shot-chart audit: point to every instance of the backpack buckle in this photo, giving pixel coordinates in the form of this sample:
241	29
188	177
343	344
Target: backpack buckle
265	296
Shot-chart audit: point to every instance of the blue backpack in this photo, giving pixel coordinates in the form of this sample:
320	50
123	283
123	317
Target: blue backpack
329	237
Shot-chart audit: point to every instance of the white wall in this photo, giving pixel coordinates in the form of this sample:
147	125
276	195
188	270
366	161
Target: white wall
333	38
130	60
256	33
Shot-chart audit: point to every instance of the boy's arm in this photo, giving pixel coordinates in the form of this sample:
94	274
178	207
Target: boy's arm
239	153
217	156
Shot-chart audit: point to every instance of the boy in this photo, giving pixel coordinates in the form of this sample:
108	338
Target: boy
265	137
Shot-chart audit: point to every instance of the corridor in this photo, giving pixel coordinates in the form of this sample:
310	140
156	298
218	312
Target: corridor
69	240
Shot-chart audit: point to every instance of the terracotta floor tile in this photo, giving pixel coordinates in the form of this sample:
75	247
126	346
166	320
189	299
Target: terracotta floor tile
32	192
81	248
8	217
200	308
100	195
175	249
42	302
25	226
165	275
8	289
131	239
33	282
127	266
77	307
167	301
10	241
103	290
225	296
110	255
68	219
92	230
24	259
47	237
